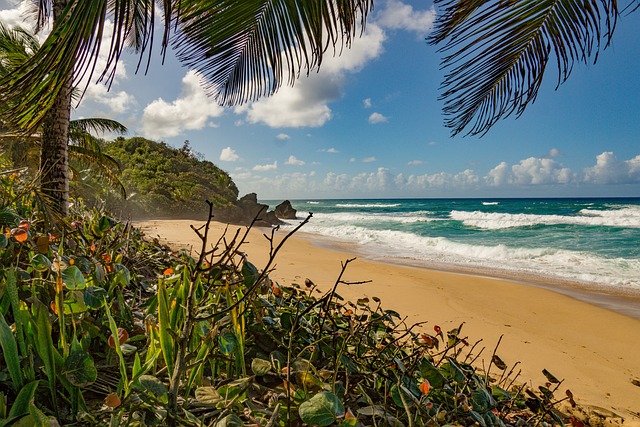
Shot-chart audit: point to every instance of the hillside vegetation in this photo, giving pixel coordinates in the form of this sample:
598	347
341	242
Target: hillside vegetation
162	181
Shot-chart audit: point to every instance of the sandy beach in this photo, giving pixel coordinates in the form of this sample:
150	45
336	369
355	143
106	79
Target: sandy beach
595	350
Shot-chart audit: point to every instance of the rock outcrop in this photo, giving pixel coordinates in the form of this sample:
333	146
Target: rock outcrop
245	210
285	211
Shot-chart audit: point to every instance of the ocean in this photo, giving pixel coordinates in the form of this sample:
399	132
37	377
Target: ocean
591	243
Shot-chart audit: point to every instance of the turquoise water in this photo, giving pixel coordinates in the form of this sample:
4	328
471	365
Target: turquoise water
594	242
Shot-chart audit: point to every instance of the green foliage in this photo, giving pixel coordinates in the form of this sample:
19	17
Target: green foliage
100	327
162	181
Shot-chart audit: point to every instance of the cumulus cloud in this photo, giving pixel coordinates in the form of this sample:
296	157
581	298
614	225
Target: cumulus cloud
292	160
307	103
382	182
609	170
18	16
228	154
370	159
415	162
531	171
283	136
328	150
366	103
268	167
397	15
554	152
118	102
375	118
190	111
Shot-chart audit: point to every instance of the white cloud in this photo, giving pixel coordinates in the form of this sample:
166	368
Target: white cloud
191	110
118	102
370	159
293	161
268	167
375	118
397	15
328	150
415	162
18	15
609	170
353	160
228	154
554	152
366	103
283	136
550	176
307	103
531	171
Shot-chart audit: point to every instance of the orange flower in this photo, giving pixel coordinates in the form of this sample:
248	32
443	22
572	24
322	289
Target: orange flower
427	340
168	272
123	336
112	400
20	234
106	257
425	387
276	290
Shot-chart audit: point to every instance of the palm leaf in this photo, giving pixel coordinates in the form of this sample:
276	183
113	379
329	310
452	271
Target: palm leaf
96	125
496	52
247	52
245	49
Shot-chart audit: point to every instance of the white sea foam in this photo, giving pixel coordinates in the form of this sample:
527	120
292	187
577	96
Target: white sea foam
367	205
388	245
628	217
313	203
490	203
331	219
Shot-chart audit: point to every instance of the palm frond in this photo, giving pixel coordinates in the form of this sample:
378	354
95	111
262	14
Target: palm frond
103	165
496	52
247	49
72	45
96	125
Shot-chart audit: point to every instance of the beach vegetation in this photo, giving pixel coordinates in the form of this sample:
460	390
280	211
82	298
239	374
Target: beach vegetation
101	325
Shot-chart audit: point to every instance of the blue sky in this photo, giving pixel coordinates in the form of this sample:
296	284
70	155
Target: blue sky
369	124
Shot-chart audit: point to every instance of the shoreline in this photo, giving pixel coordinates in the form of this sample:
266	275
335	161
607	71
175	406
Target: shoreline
626	302
594	349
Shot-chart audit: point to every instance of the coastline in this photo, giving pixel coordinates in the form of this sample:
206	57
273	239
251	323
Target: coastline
593	348
625	302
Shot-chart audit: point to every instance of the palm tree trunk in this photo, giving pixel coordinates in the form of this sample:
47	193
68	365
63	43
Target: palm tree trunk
54	158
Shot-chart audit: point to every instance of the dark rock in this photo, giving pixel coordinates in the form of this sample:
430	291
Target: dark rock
285	211
245	211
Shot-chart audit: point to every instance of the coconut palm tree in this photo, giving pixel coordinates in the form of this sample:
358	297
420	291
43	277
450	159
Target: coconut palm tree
496	52
17	46
244	49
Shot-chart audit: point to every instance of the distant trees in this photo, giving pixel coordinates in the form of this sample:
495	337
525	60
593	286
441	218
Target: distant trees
162	181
